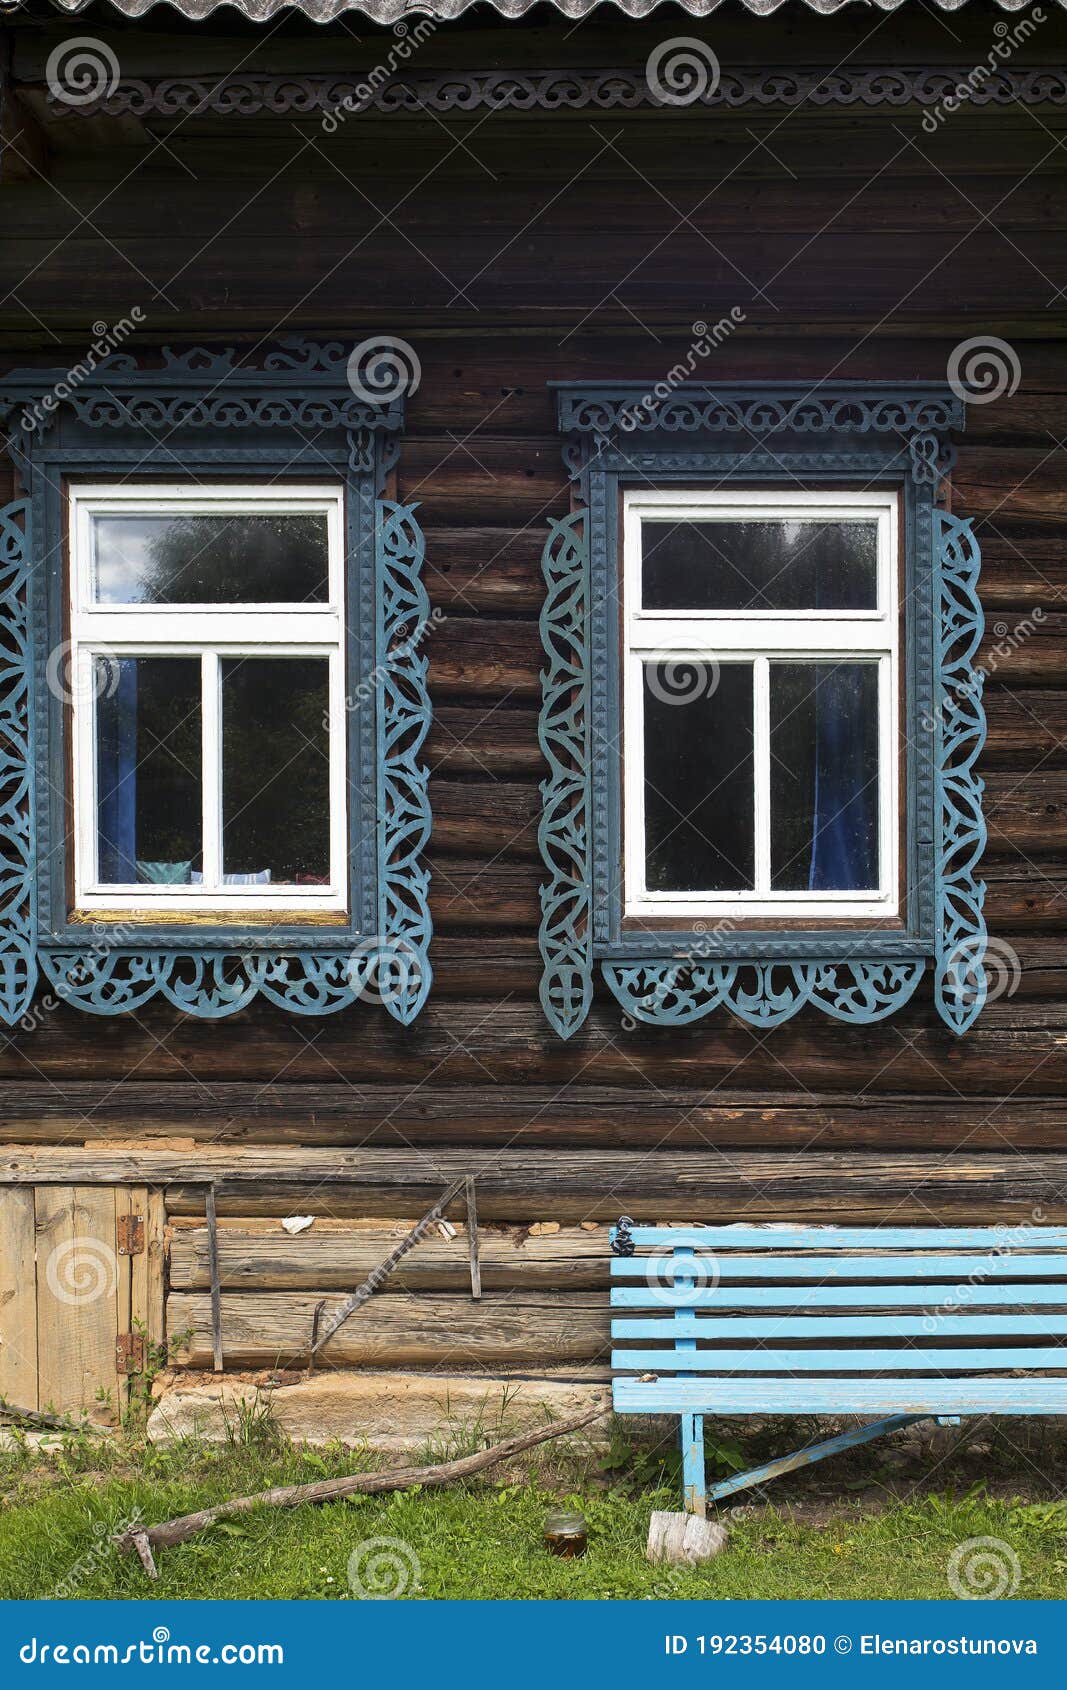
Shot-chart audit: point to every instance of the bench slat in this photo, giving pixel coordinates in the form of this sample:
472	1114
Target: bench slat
839	1296
785	1327
663	1268
847	1237
843	1361
841	1396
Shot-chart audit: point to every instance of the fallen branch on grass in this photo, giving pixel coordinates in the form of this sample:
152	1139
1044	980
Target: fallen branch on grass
143	1539
37	1417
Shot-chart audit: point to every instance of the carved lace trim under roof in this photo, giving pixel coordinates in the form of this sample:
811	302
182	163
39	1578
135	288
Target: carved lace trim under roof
392	11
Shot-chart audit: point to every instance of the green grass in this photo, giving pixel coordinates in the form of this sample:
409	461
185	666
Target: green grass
876	1536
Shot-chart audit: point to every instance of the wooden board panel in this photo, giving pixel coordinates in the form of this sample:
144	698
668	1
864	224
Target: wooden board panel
82	1299
333	1257
268	1329
18	1301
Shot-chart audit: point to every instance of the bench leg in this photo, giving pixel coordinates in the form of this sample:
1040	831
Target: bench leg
813	1453
694	1487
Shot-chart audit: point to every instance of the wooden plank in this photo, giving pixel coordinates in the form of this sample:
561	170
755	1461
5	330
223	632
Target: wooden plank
779	1238
155	1279
18	1299
132	1289
473	1251
581	1184
842	1396
82	1296
319	1114
217	1355
895	1297
838	1326
334	1255
265	1329
907	1358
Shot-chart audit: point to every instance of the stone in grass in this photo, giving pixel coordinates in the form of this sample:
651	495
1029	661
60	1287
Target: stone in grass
683	1537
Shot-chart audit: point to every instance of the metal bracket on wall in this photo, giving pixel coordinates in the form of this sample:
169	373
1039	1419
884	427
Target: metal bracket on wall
129	1235
130	1352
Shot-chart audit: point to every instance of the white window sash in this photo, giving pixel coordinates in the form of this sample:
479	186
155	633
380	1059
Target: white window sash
211	633
760	637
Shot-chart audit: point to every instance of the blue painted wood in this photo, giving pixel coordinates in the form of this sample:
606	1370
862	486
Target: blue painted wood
904	1359
812	1453
960	981
18	832
1033	1236
402	607
926	1295
694	1486
288	410
962	1357
750	434
830	1268
786	1326
841	1396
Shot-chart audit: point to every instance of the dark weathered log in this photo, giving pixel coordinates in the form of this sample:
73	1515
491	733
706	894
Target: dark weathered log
525	1185
483	655
318	1114
355	1484
272	1329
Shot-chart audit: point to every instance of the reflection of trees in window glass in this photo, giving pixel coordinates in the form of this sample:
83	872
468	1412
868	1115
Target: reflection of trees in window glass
777	564
258	558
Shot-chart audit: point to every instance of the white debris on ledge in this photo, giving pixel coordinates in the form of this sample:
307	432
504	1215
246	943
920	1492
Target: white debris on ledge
293	1224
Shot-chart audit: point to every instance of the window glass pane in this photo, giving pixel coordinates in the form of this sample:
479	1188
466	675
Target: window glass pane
148	768
766	565
275	770
698	776
824	776
186	558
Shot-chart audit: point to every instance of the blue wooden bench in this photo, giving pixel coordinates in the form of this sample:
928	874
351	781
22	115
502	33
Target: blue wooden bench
911	1324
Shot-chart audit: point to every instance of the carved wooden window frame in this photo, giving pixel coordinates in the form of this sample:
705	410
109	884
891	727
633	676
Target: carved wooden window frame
863	434
290	413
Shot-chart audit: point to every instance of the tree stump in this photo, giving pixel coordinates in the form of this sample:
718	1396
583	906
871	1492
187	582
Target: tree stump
684	1537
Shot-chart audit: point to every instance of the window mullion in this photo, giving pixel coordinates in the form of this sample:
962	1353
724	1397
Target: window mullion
211	730
761	761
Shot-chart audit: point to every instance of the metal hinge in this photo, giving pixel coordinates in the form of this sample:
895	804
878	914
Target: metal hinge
130	1233
129	1352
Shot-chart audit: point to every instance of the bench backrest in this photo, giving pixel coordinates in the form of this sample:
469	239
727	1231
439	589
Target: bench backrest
838	1305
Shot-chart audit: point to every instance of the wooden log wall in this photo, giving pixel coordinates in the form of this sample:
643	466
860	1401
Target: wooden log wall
513	249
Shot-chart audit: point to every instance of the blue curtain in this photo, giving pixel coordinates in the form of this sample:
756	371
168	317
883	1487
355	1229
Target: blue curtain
116	772
844	841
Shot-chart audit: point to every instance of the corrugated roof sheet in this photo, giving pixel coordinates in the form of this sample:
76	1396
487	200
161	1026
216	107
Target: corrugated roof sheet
392	11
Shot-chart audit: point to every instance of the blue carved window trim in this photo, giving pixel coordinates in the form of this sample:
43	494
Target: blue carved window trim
867	434
290	413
